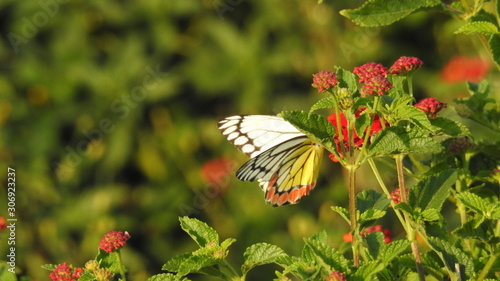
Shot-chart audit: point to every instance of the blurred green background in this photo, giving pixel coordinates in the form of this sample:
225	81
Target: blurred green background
108	113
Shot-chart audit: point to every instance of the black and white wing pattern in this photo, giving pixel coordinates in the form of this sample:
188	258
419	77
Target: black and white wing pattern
283	160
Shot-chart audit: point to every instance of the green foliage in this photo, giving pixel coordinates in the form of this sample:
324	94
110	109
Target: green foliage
379	12
477	16
108	110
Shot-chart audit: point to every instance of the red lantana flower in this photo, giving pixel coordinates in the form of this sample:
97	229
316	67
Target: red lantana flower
462	68
370	70
358	141
430	106
405	65
64	272
377	85
324	80
396	195
114	240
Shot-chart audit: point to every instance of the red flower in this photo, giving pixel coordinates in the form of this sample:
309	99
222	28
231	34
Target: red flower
324	80
114	240
370	70
3	223
430	106
387	233
358	141
77	273
396	195
216	171
336	276
461	68
375	85
64	272
405	65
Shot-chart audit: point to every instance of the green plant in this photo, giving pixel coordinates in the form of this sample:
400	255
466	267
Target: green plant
374	121
481	17
436	160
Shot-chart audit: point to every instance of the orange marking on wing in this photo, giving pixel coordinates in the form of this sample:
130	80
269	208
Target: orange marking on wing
283	199
294	195
270	193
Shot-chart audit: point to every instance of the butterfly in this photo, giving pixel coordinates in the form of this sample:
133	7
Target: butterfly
284	161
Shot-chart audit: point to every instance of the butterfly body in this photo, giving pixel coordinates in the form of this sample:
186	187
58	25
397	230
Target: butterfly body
283	160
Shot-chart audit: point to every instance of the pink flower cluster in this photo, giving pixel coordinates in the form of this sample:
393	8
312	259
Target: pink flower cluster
405	65
430	106
64	272
113	241
324	80
374	78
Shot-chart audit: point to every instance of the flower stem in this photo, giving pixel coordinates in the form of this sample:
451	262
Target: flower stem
352	212
411	234
121	266
386	191
410	85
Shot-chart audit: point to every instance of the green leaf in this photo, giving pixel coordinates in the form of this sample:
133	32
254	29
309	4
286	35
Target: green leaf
483	27
108	260
305	270
343	212
474	202
370	215
347	80
374	242
85	276
385	12
431	215
194	263
452	255
432	191
494	43
49	266
448	127
405	208
315	126
367	270
259	254
394	140
414	115
327	102
174	263
398	91
166	277
390	251
226	243
328	257
199	231
471	229
370	199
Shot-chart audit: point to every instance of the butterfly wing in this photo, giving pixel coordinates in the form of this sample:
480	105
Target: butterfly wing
285	172
254	134
284	161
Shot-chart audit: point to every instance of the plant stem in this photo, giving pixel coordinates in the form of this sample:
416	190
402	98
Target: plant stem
352	213
121	266
491	261
410	84
386	191
410	231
